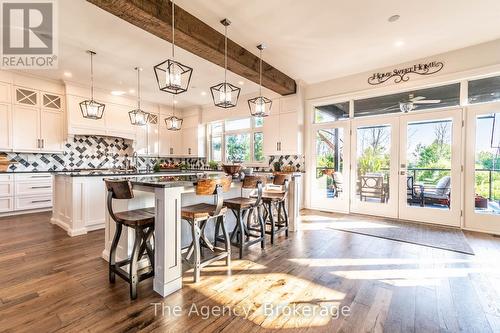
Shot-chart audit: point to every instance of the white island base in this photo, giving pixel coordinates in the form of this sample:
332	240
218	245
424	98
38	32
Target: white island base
168	239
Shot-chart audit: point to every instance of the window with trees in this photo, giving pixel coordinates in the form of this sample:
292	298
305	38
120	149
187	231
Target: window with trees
236	140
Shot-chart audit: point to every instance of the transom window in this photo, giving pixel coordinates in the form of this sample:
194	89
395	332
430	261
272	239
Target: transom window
236	140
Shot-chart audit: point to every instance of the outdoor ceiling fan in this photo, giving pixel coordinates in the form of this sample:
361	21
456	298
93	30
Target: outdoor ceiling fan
412	102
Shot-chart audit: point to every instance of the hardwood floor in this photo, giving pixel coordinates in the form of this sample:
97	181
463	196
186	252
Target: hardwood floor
50	282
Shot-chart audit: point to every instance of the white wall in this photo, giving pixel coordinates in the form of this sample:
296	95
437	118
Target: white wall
478	60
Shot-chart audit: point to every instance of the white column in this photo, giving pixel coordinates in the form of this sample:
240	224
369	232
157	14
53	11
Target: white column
168	265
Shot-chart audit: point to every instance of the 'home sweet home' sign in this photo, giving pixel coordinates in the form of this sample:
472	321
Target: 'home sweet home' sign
402	74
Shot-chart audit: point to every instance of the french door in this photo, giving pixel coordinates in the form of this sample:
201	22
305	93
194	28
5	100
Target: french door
405	166
330	178
374	166
482	168
430	167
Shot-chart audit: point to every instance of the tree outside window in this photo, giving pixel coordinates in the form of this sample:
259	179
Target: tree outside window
237	140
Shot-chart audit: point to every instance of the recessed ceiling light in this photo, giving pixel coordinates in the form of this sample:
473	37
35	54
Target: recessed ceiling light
203	93
393	18
175	102
241	83
68	74
131	91
117	93
399	43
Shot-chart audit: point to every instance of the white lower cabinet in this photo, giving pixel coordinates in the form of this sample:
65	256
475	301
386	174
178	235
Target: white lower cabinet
33	202
6	193
25	192
6	205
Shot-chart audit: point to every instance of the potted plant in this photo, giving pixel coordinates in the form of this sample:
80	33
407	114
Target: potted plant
277	166
213	165
327	164
183	166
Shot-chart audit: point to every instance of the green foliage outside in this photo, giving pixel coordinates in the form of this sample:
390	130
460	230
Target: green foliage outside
487	160
433	156
238	147
373	160
258	144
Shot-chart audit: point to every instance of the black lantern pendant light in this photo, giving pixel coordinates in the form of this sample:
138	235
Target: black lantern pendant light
138	117
91	109
173	123
172	76
225	95
260	106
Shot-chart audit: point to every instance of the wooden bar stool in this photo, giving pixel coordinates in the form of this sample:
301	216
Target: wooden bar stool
198	215
276	199
142	221
243	209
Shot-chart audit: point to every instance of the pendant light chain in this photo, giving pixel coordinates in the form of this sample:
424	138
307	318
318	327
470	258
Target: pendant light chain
225	54
138	88
173	30
260	73
91	76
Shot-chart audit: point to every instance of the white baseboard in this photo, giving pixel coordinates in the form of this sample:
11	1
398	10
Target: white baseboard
71	232
23	212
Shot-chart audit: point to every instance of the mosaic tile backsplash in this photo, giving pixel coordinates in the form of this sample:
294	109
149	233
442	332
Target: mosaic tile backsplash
94	152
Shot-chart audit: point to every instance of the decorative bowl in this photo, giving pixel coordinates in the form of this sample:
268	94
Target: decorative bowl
232	169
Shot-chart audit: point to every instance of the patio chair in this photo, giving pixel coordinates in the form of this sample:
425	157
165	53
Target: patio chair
372	186
338	183
414	192
439	194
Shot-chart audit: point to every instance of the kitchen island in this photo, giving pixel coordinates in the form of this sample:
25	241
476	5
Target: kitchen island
169	194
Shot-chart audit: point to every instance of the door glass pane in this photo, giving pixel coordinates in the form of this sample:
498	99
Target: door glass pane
330	180
331	112
238	147
484	90
428	155
487	167
421	99
373	163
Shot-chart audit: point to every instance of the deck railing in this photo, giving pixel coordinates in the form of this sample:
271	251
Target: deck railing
414	171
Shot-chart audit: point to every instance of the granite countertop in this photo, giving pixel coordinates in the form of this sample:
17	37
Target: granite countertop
103	172
173	181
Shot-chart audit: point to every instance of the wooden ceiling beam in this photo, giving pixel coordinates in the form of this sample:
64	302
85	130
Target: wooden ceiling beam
193	35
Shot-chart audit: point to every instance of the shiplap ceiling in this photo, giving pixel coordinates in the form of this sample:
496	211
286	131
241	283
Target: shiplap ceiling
312	40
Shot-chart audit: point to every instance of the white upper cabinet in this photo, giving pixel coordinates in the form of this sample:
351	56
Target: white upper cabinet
26	128
193	142
192	136
283	128
271	135
37	121
51	130
148	137
5	90
170	142
5	126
